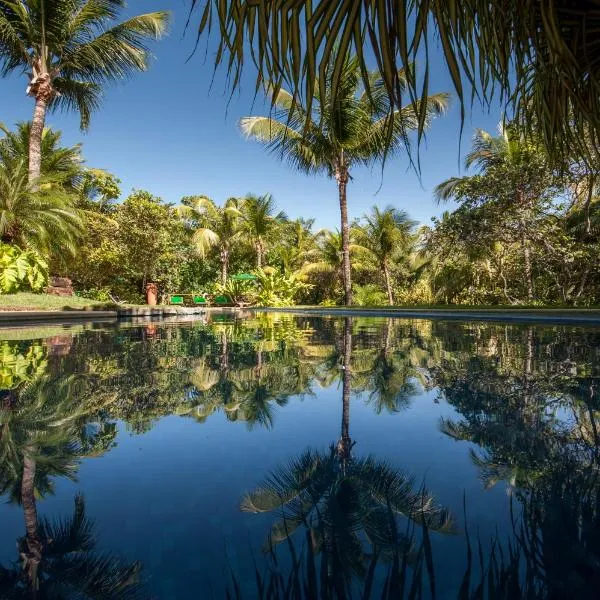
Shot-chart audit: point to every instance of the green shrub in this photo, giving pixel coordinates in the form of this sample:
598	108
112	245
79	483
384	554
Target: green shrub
101	294
21	270
237	290
275	289
369	295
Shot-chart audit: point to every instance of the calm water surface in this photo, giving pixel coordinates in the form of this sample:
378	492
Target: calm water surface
291	457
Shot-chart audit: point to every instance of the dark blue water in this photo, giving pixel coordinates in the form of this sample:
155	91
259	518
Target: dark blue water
280	456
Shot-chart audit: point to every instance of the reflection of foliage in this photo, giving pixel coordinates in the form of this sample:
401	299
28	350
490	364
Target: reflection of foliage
344	505
19	364
526	396
536	431
70	567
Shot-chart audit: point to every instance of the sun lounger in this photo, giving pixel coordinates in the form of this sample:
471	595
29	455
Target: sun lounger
200	300
222	301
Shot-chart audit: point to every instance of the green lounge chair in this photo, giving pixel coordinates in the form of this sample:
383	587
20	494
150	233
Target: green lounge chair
176	299
200	300
222	301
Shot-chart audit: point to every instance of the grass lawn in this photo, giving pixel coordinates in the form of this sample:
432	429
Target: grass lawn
28	301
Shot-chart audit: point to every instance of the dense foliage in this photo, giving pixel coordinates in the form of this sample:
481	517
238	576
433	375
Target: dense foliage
521	233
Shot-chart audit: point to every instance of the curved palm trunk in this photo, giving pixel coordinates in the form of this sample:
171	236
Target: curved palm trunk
388	283
341	176
32	550
344	446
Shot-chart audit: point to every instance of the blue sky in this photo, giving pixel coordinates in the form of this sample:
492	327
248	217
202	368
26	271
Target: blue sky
167	132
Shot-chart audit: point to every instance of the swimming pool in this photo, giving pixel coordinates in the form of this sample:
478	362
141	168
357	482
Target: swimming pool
300	456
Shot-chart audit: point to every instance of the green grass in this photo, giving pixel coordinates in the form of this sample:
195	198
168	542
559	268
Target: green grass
29	301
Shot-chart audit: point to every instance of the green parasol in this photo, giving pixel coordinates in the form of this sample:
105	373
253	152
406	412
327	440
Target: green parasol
243	277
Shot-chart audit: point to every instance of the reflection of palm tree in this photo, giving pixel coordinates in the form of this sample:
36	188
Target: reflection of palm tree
344	446
344	507
67	565
339	498
43	436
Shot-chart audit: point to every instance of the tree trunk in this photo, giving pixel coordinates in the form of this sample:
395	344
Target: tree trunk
32	550
259	255
388	284
527	262
344	446
341	176
224	265
35	138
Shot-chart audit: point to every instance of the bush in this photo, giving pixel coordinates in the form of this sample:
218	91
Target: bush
21	270
276	289
237	290
369	295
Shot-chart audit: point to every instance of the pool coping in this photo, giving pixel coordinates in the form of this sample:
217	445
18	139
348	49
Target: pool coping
575	316
18	318
565	316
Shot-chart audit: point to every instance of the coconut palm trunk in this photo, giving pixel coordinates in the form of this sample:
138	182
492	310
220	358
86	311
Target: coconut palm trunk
388	283
224	265
341	176
41	89
32	550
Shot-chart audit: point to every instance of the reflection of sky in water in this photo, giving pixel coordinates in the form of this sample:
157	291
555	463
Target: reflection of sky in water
169	497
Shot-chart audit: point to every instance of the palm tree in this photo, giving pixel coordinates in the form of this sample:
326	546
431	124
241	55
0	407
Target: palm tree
542	59
42	218
259	221
68	564
55	158
519	163
70	48
299	247
340	127
384	235
219	227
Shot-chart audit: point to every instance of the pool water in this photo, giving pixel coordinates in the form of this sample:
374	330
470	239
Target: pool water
285	456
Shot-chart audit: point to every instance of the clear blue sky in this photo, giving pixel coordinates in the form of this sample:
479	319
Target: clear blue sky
167	132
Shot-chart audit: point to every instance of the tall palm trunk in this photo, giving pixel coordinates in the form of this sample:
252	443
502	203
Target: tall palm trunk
224	265
344	446
388	283
32	550
341	176
35	139
40	88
